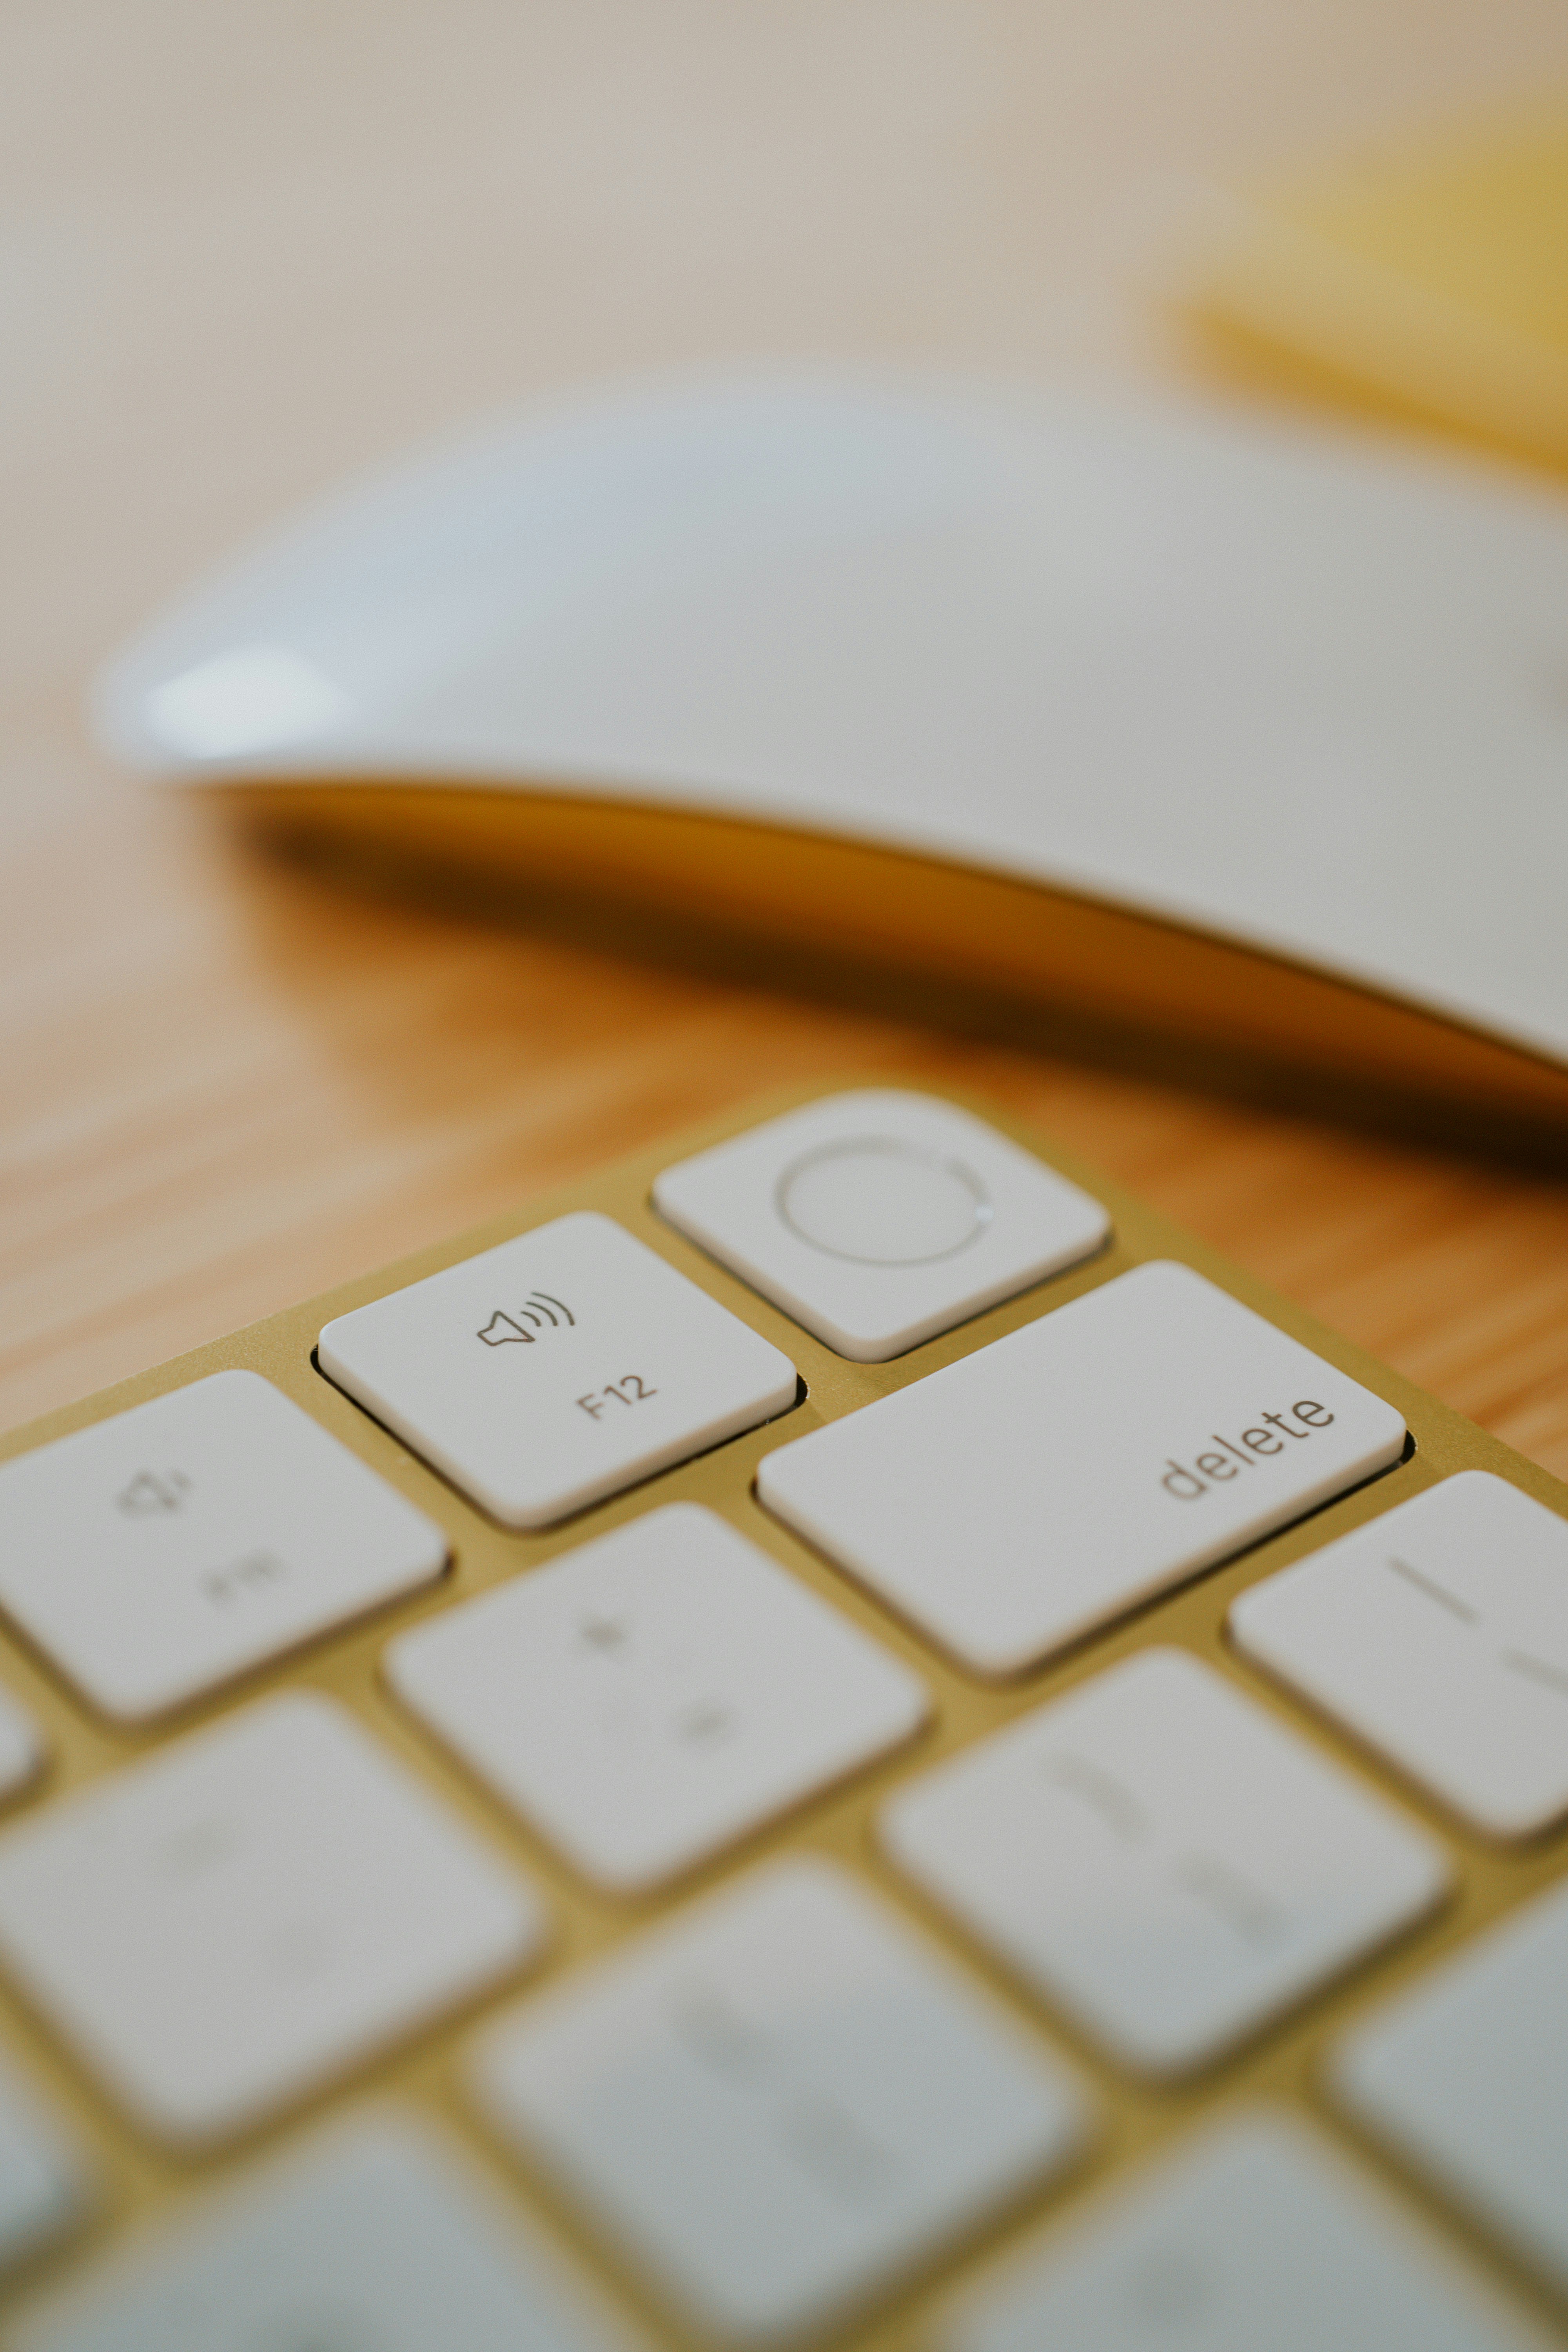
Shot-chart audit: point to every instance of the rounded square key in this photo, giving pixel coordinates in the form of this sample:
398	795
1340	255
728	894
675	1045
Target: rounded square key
656	1694
1439	1635
174	1546
23	1751
556	1368
1163	1858
375	2235
778	2098
45	2186
240	1914
1465	2071
880	1218
1256	2236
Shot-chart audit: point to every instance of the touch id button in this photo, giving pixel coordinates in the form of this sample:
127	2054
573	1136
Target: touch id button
881	1204
877	1218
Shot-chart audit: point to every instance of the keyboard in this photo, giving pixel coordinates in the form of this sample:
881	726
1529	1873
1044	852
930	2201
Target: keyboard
836	1736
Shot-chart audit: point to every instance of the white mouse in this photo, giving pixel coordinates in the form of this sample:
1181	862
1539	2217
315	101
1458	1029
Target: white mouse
1292	692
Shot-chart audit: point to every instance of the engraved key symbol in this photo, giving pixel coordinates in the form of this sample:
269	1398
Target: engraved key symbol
149	1493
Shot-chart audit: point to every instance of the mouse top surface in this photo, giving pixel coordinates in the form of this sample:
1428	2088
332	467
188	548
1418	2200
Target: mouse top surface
1307	693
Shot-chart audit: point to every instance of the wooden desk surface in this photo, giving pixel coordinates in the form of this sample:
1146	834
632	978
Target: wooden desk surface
244	251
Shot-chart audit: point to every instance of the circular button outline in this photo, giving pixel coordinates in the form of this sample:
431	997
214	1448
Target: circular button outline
894	1147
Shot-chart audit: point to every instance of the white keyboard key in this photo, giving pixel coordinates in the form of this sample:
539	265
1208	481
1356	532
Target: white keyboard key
222	1924
655	1694
557	1368
877	1218
1018	1498
23	1751
1256	2238
376	2236
183	1542
1163	1859
1467	2074
778	2099
43	2187
1439	1635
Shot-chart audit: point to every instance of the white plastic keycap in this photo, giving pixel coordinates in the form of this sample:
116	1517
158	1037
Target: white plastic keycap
779	2099
879	1218
1017	1499
1439	1635
655	1694
222	1926
1256	2238
44	2187
160	1553
553	1370
1467	2073
1162	1859
23	1749
375	2236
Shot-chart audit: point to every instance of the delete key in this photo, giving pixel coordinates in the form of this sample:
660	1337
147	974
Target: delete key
1016	1500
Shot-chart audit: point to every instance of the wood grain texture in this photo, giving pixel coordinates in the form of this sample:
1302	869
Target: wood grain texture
246	250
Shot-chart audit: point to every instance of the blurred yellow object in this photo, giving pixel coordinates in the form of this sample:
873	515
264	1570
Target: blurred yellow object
1435	274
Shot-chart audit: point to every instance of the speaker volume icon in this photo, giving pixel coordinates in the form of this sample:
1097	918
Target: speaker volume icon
545	1314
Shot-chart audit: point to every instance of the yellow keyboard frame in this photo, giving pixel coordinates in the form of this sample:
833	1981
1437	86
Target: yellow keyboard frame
137	2178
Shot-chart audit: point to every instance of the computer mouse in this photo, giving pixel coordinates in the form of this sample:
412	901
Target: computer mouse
1255	735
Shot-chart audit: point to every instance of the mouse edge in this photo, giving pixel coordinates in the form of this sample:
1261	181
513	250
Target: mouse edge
926	936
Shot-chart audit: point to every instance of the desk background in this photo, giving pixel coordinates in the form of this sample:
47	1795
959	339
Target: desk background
245	250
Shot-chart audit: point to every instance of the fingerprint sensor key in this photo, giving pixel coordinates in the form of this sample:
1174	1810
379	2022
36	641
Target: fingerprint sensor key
880	1217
